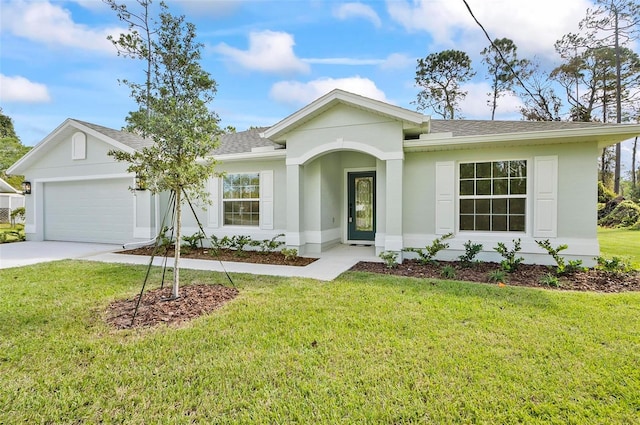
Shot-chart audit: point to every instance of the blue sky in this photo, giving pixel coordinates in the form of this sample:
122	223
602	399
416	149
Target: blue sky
269	58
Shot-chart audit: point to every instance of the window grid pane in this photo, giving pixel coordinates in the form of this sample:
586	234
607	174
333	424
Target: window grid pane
241	199
493	196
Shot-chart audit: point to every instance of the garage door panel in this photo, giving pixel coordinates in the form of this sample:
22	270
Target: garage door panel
89	211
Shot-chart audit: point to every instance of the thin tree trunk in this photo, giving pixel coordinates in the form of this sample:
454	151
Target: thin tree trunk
176	262
634	177
616	182
603	166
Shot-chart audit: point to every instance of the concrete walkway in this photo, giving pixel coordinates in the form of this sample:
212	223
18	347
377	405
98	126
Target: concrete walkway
329	266
17	254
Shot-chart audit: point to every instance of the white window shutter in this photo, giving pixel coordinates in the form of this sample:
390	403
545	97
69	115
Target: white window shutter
266	199
216	199
545	200
445	197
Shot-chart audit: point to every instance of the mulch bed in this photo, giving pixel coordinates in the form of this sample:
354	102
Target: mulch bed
155	308
526	275
199	299
224	255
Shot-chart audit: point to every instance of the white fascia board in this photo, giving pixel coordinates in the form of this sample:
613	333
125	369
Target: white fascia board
41	147
6	188
605	136
251	156
340	96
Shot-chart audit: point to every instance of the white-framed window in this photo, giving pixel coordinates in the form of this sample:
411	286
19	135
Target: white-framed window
493	196
241	199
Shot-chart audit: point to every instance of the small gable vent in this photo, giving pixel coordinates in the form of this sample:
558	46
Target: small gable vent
79	146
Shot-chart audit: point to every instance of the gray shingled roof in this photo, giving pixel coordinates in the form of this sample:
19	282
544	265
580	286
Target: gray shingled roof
126	138
240	142
243	141
461	128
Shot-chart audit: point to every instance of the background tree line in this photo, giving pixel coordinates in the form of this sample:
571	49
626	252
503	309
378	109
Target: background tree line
597	79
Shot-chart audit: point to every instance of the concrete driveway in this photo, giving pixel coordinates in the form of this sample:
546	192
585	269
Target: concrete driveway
18	254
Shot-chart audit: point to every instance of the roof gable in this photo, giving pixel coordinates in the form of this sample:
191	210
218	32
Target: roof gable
278	132
120	140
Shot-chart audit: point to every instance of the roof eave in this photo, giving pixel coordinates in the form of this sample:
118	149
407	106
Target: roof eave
604	136
249	156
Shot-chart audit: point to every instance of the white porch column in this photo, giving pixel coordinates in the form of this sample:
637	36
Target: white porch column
393	231
294	236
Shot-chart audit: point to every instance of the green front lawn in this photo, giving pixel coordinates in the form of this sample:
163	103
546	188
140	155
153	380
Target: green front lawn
620	243
361	349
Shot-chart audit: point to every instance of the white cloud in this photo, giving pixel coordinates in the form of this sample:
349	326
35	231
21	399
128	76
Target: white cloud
475	104
19	89
533	26
298	93
53	25
269	51
93	5
357	10
397	61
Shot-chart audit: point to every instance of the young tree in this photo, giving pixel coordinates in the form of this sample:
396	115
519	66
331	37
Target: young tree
11	150
173	112
501	59
440	75
615	23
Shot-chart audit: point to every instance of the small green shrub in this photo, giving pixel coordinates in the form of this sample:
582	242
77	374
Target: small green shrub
219	243
550	280
389	258
192	241
427	255
511	262
614	264
625	214
165	237
290	254
562	267
238	243
448	272
471	250
497	276
271	245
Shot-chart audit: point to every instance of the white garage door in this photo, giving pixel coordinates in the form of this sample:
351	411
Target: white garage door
89	211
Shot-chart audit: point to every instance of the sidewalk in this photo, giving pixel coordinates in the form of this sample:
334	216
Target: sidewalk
330	265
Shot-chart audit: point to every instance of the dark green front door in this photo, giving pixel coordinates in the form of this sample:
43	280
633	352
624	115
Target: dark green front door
361	219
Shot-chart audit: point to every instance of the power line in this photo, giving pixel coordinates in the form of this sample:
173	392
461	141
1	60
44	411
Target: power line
515	74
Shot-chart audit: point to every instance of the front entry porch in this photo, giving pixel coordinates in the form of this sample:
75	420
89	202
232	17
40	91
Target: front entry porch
344	197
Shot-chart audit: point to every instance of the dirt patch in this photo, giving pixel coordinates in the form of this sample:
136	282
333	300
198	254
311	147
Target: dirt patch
155	308
526	275
257	257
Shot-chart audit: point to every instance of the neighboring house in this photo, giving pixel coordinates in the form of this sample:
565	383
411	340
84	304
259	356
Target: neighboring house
10	199
344	169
